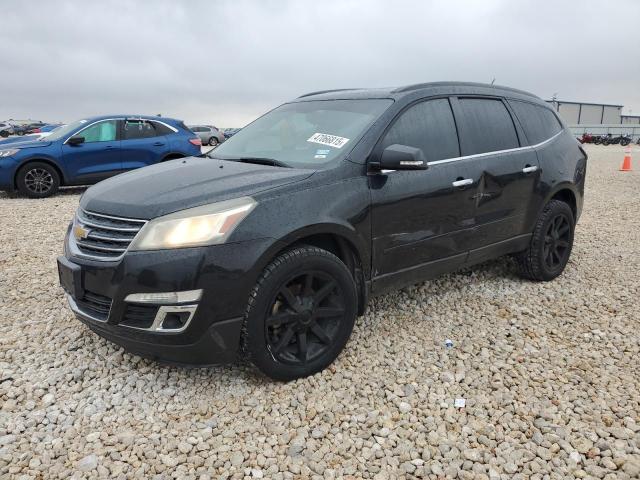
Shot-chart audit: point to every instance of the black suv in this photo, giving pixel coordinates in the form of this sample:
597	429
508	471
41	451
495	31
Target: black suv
271	246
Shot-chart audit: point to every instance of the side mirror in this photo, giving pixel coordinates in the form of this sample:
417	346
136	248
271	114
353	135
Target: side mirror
401	157
75	140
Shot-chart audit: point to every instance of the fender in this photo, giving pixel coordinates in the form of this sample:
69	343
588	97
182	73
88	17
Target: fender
44	159
567	186
337	229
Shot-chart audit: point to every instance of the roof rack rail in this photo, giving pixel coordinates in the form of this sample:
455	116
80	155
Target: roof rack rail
418	86
326	91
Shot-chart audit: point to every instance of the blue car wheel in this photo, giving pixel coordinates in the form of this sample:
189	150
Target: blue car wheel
38	180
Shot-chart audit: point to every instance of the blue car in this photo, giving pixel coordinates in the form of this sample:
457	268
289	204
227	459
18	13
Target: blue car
87	151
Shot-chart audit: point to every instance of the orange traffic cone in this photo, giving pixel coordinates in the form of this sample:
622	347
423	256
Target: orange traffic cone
626	163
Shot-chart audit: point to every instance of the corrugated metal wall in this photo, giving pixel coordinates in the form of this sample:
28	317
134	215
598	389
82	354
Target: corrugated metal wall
630	120
587	113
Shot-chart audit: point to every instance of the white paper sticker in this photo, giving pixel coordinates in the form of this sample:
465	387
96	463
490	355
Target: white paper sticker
326	139
459	403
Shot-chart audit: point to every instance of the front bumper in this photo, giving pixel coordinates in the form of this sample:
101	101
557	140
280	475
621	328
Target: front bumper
205	329
8	168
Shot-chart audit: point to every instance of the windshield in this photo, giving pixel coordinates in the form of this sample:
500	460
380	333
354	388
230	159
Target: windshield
65	130
304	134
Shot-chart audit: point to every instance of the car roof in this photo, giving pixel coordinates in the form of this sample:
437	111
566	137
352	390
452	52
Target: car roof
419	90
143	117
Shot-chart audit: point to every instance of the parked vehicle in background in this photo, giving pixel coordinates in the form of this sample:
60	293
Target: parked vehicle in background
209	135
44	128
623	140
586	138
230	132
273	245
602	139
90	150
6	129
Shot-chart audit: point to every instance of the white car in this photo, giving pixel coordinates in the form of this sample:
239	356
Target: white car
6	129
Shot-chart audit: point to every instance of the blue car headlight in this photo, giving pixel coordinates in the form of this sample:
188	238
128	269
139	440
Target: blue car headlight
8	152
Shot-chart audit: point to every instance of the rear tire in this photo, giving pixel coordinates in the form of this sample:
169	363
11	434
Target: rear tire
625	142
213	142
300	313
38	180
4	134
551	244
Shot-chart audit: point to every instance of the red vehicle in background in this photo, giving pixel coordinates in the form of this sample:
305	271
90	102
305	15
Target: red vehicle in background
586	138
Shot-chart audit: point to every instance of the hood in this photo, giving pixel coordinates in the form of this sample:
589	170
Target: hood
167	187
23	144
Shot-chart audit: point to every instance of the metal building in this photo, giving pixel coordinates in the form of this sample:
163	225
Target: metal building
582	113
631	119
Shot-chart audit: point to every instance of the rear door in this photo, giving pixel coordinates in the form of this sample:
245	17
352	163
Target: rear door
421	219
505	172
143	143
98	157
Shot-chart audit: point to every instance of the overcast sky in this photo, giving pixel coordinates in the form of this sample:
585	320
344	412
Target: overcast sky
226	62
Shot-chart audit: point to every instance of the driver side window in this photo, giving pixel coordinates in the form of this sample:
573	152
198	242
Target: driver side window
428	125
100	132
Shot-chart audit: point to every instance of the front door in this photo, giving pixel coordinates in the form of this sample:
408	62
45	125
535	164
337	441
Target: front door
98	157
421	219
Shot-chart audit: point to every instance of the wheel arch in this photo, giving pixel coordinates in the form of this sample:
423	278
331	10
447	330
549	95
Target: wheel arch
56	167
568	194
334	238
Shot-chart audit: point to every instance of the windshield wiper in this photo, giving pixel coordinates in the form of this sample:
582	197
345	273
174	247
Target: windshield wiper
257	160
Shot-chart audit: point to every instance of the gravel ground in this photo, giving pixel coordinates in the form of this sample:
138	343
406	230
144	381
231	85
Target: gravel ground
550	373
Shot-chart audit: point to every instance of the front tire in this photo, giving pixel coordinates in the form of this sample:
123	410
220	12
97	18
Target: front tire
551	244
300	313
38	180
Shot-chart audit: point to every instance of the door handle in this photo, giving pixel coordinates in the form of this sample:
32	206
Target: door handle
530	169
158	144
462	182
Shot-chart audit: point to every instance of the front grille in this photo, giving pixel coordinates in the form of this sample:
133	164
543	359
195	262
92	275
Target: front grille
108	237
94	304
139	316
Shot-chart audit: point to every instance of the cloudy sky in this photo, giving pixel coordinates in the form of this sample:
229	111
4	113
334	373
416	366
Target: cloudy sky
226	62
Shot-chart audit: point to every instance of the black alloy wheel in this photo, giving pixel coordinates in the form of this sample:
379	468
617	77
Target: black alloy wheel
300	313
551	243
556	241
304	318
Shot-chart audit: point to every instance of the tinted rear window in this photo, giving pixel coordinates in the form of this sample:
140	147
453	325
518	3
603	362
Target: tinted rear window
539	123
487	126
429	126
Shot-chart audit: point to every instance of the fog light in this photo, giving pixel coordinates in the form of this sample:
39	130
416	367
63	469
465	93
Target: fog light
175	320
165	298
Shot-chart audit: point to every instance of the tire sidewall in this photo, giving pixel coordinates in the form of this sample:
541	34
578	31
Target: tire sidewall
22	187
257	312
555	208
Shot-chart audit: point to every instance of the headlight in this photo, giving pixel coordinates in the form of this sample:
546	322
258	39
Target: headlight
205	225
8	153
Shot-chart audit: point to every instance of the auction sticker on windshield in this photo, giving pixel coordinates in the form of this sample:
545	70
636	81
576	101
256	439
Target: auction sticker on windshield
326	139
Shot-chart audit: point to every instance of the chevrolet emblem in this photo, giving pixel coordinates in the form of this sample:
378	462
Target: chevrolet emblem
80	232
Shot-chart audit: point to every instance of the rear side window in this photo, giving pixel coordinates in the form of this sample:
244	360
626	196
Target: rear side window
487	126
161	128
539	123
427	125
135	129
